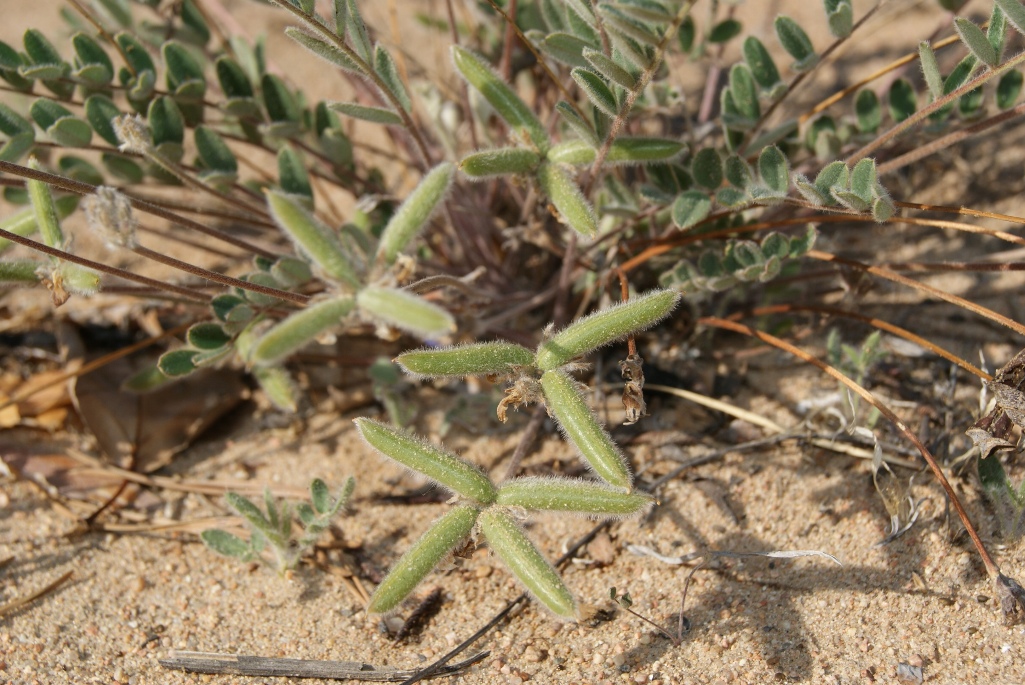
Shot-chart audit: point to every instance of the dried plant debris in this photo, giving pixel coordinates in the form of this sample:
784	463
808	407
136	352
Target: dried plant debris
994	430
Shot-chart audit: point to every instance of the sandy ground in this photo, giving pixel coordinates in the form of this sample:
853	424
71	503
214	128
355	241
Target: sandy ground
140	592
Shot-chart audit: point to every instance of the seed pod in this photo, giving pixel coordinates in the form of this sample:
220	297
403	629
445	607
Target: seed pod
439	540
622	151
315	239
582	428
574	209
466	360
499	162
414	213
447	469
526	562
604	327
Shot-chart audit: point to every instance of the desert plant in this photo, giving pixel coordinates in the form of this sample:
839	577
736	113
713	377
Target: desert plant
653	190
273	529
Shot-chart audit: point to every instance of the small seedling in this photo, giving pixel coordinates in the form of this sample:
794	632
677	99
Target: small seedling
624	600
273	528
1008	501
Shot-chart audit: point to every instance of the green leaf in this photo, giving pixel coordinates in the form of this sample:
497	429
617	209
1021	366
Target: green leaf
299	329
316	240
123	168
477	359
166	123
725	30
281	104
565	48
46	113
207	336
326	51
279	386
508	105
863	179
868	111
90	55
293	178
597	91
20	273
135	52
321	496
840	16
356	29
502	161
834	174
745	95
429	551
609	69
1008	89
233	79
977	42
520	555
415	212
541	493
1015	13
182	66
214	152
377	115
774	169
604	327
902	100
686	34
100	111
177	363
39	49
796	42
226	544
583	128
455	474
573	209
406	311
762	66
707	168
737	171
624	150
385	67
930	69
732	197
690	208
45	210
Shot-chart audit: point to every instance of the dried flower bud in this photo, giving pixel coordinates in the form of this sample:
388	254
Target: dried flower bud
109	212
132	131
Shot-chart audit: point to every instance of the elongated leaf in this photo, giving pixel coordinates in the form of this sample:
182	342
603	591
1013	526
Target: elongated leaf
326	51
762	66
356	29
507	103
597	91
315	239
457	475
214	152
385	67
45	211
583	128
868	110
281	104
774	169
976	40
1015	13
226	544
429	551
299	329
477	359
566	48
520	555
500	162
177	363
930	69
707	168
902	100
796	42
571	495
1008	89
293	177
404	310
377	115
565	195
624	150
609	69
725	30
415	212
605	327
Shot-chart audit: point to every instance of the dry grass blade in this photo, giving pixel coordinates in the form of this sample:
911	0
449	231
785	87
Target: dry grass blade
20	602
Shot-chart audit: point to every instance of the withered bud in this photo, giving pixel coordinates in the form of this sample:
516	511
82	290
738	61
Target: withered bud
109	212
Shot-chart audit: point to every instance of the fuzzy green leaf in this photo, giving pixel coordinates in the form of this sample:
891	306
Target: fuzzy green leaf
89	53
214	152
707	168
100	111
406	311
506	102
455	474
840	16
377	115
501	161
725	30
45	211
135	52
519	554
182	66
328	52
565	195
571	495
902	99
415	212
280	102
745	94
177	363
299	329
977	42
232	78
1008	89
930	69
1015	13
226	544
737	171
774	169
476	359
429	551
609	69
796	42
624	150
597	91
868	111
293	178
385	67
356	29
582	128
762	66
20	273
565	48
690	208
863	179
207	336
605	327
316	240
165	120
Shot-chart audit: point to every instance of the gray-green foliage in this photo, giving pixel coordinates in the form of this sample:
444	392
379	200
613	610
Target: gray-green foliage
272	530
